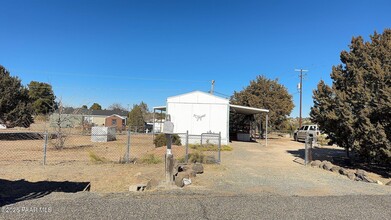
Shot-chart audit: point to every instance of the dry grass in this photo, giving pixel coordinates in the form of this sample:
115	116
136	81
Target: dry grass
150	159
210	147
77	148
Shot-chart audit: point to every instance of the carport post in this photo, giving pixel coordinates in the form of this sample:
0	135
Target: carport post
267	122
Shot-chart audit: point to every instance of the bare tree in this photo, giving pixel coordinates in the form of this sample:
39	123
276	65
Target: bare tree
63	120
117	106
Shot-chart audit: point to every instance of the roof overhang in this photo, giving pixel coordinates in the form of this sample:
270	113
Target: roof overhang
245	110
161	108
119	116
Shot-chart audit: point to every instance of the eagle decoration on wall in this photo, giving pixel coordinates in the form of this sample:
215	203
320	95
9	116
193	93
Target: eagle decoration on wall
199	117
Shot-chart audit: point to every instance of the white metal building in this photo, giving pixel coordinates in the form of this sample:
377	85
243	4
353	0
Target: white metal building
199	112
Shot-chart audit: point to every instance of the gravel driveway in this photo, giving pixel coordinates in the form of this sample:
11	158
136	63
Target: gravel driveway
255	168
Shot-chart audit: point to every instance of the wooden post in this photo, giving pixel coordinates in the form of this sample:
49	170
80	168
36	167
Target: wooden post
169	161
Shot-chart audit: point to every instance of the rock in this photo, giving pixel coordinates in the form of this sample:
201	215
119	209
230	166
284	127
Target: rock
335	169
191	173
198	168
210	159
363	176
379	182
137	188
360	172
388	184
351	175
343	171
299	161
322	164
315	163
367	179
152	184
186	181
328	165
179	179
182	167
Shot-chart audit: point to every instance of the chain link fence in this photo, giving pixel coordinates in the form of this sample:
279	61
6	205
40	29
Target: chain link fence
104	145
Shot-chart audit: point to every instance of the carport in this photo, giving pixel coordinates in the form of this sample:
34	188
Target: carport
245	110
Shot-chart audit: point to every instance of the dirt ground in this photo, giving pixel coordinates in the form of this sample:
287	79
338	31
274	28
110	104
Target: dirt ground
250	168
255	168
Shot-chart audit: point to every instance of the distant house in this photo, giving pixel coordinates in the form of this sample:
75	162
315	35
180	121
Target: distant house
116	121
77	117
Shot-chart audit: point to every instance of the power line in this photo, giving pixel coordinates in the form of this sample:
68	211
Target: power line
114	76
222	94
301	91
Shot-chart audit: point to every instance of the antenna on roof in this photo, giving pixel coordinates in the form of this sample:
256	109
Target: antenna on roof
212	88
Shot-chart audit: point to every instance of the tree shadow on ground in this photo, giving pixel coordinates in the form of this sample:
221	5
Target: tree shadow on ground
338	157
20	190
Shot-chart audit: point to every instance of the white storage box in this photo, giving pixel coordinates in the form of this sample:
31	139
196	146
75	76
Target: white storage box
103	134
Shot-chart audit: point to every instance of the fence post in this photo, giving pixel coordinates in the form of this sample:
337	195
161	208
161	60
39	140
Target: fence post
308	150
45	137
169	160
219	153
127	157
187	147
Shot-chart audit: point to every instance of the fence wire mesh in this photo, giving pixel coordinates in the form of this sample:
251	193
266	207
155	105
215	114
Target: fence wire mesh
104	145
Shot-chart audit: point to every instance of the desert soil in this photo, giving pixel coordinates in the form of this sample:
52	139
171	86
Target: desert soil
249	168
254	168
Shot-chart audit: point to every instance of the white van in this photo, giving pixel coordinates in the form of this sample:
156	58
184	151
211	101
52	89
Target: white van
306	130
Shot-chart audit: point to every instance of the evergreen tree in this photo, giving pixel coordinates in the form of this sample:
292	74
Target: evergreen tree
42	97
267	94
96	106
356	111
15	103
135	117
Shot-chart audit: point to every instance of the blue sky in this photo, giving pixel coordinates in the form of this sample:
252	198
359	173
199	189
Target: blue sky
132	51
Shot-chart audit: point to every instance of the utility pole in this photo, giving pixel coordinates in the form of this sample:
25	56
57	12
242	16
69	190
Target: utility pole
212	87
301	92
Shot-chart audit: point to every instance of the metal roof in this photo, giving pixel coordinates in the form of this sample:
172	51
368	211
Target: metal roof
90	112
234	108
247	110
163	108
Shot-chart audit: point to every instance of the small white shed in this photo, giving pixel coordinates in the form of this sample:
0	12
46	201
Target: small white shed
199	112
103	134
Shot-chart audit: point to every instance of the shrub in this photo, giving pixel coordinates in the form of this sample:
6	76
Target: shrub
322	140
210	147
160	140
199	156
97	159
181	160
